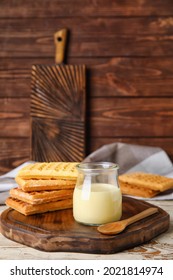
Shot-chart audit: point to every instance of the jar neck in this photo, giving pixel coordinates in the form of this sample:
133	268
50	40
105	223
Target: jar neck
97	167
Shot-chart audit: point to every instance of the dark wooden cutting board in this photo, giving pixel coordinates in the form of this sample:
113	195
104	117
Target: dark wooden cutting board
57	231
58	107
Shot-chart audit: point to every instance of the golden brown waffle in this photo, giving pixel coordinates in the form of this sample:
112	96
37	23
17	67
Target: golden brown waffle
41	196
29	185
136	191
144	184
51	170
146	180
29	209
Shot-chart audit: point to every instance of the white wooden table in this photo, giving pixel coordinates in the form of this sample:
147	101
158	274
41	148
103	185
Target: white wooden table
159	248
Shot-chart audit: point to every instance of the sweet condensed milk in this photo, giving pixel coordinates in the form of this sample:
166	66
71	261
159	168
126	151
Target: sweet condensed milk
103	205
97	197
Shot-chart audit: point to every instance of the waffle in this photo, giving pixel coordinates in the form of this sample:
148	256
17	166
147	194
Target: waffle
41	196
137	191
29	185
144	184
43	187
29	209
51	170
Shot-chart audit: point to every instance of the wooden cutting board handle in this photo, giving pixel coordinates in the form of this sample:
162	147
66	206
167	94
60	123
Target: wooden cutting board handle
60	38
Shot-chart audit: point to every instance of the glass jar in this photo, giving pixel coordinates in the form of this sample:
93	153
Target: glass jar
97	198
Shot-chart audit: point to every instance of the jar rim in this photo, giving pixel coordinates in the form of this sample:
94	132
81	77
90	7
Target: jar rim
97	166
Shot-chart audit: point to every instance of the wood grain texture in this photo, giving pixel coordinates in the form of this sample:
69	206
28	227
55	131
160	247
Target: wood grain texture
14	151
127	48
151	121
15	117
90	8
113	117
58	113
116	117
132	77
89	37
58	232
105	76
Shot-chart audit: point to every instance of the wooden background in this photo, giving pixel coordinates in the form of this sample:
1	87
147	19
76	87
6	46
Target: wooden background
127	47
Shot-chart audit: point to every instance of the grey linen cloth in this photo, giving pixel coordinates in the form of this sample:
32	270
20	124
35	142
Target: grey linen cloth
131	158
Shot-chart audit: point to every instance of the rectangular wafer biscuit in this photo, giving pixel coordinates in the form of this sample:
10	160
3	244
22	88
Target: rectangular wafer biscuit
51	170
129	189
29	209
41	196
29	185
146	180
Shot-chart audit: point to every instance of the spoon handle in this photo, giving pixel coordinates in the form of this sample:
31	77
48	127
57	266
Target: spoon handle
141	215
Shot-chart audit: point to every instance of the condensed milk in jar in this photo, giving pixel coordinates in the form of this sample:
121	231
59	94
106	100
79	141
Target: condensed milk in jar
97	198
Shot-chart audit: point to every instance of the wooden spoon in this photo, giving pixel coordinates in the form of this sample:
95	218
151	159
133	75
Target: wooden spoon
116	227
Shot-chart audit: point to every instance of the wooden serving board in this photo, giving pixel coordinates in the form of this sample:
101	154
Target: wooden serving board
57	231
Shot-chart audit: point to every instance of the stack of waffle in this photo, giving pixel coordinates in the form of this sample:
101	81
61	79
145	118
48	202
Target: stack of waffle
144	184
43	187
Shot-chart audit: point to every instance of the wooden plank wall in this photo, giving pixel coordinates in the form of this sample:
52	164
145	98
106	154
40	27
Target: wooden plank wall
128	49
